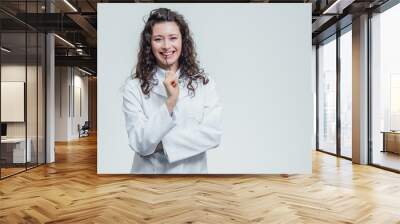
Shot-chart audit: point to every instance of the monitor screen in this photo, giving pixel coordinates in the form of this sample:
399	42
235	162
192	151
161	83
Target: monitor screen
3	129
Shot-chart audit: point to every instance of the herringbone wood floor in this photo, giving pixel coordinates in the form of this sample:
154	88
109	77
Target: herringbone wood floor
70	191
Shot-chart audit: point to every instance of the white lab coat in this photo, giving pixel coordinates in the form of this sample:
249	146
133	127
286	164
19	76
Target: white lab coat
177	143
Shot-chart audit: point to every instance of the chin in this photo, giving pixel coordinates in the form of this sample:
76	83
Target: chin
169	62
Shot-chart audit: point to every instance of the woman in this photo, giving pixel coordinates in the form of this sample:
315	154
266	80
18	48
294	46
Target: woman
171	108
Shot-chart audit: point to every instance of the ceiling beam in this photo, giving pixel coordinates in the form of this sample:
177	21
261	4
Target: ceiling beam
85	61
337	6
86	26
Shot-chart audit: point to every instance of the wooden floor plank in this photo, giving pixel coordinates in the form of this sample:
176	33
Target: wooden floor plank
70	191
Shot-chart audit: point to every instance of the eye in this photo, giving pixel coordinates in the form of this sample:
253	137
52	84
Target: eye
157	39
174	38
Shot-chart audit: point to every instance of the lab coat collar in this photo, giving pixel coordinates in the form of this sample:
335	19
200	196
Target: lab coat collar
159	88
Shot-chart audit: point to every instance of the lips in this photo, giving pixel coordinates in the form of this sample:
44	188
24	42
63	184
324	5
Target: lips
167	54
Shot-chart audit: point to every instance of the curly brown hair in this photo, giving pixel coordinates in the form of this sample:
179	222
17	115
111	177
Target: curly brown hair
188	64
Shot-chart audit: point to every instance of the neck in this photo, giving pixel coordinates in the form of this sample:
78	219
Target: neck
173	68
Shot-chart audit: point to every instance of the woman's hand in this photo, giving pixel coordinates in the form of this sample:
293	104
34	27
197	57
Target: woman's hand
172	87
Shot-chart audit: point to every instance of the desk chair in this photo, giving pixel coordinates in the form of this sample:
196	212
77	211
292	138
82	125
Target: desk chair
84	130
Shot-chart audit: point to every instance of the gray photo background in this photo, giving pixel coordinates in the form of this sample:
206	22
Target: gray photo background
260	57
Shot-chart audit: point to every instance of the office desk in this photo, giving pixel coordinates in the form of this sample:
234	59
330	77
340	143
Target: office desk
391	141
13	150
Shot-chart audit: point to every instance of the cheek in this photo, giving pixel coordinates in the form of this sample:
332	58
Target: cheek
179	47
155	48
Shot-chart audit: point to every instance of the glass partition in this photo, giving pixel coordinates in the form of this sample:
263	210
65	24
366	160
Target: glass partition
346	94
13	108
41	107
327	96
385	89
22	78
31	100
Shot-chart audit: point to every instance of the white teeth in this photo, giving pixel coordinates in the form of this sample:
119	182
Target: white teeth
167	54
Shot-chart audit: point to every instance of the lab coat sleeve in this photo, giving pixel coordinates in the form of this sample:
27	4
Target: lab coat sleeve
144	133
185	141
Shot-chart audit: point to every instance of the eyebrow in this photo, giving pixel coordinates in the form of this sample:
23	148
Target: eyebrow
163	36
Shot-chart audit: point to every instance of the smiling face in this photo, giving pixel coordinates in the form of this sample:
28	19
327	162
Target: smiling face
166	44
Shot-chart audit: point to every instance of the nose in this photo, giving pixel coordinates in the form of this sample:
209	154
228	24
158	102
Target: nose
166	45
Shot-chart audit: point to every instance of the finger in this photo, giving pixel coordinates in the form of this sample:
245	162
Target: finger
168	68
166	62
170	75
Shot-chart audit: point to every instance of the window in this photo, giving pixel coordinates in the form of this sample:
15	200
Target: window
346	94
385	89
327	96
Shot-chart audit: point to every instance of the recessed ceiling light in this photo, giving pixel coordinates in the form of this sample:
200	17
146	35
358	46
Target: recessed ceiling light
337	7
84	71
64	40
5	50
70	5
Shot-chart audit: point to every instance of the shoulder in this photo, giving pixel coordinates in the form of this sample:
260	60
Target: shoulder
132	86
210	83
208	88
132	82
199	80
